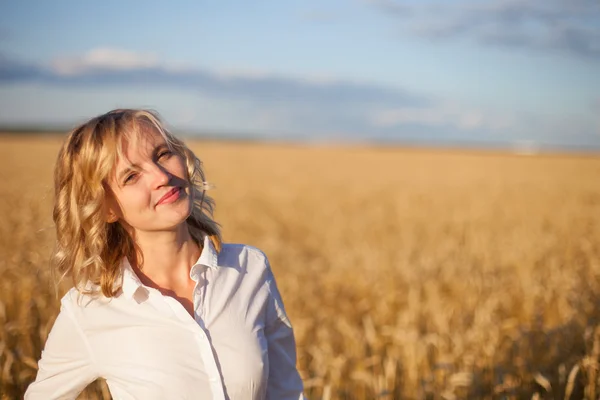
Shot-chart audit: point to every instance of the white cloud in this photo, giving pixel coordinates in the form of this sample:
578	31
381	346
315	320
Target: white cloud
440	116
246	72
105	58
113	59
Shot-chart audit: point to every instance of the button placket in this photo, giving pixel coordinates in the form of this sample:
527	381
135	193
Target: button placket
198	294
204	299
214	375
206	351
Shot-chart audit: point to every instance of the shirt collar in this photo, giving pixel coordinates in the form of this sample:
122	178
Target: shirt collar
131	282
209	254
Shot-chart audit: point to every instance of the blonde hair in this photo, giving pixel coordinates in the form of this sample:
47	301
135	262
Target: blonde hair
88	248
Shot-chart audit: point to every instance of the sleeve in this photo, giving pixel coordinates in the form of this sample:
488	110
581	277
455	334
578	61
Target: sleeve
284	381
66	366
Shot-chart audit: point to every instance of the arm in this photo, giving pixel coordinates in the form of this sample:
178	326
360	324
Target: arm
66	366
284	380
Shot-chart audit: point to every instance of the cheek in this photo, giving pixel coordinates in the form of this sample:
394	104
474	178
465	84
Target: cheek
134	201
178	168
175	164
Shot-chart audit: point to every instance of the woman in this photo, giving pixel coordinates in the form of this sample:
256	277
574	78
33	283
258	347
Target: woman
160	308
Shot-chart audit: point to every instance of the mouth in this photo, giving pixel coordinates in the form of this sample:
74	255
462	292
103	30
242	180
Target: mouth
171	196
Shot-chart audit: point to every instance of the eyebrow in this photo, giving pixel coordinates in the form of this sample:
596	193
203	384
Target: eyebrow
131	167
126	171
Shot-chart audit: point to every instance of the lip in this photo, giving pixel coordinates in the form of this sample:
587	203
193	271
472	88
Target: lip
171	196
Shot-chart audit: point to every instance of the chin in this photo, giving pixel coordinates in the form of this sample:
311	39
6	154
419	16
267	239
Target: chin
175	223
179	210
166	226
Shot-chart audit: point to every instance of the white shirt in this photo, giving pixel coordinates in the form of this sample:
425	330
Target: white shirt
240	345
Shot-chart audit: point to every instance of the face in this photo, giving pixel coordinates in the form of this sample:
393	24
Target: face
149	191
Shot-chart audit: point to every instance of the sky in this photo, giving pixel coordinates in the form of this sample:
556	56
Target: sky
522	72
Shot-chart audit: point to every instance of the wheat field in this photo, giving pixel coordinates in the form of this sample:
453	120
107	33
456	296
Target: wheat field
407	273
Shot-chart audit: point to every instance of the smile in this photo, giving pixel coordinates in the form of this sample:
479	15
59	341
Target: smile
170	197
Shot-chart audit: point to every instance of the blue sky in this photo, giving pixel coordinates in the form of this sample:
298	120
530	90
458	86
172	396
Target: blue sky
506	71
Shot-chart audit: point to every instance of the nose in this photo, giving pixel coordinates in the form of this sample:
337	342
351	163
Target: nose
161	176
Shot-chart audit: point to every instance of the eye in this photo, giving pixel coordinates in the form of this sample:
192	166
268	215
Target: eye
164	154
130	178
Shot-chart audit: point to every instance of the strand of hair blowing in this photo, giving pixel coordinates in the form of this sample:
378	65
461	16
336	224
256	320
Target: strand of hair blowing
200	221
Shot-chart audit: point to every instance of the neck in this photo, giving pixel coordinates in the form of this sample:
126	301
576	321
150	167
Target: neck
167	257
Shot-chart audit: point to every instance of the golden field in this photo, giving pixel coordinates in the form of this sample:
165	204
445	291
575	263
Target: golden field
417	274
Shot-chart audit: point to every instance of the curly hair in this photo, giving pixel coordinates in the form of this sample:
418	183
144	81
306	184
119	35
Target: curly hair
88	248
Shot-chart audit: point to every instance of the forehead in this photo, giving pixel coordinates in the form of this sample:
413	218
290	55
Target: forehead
138	144
144	137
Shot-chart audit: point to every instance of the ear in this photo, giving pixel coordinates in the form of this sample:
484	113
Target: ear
111	217
111	214
111	207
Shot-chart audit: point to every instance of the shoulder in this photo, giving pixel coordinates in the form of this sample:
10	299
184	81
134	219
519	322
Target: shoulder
75	301
241	252
243	256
